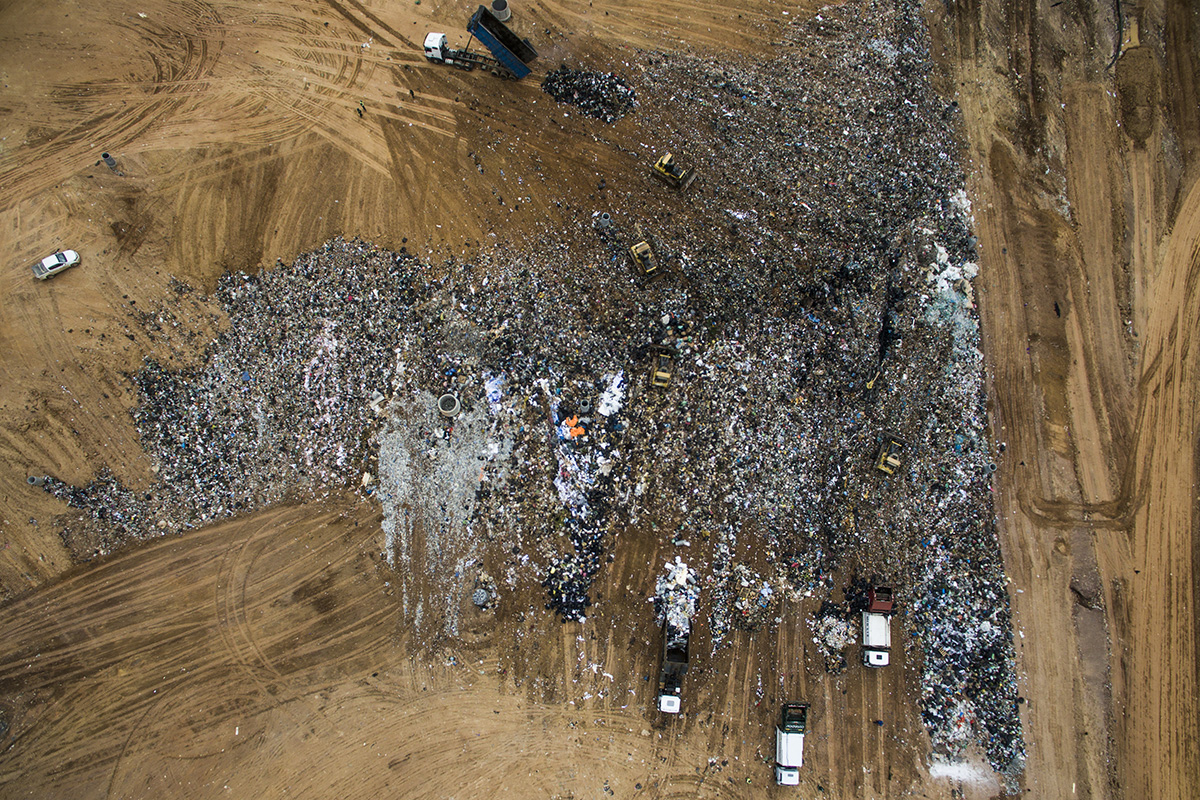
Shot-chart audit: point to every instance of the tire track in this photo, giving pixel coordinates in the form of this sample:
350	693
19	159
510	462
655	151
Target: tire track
229	600
54	159
363	27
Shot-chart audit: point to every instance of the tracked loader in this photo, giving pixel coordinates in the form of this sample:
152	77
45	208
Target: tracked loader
666	170
887	457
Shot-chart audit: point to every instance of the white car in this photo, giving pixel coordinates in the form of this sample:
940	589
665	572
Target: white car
50	266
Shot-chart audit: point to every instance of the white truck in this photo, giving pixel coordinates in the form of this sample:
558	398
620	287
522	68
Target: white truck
789	743
877	627
876	638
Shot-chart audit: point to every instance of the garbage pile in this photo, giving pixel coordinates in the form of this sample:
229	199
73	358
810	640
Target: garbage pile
823	152
675	596
281	403
754	598
833	632
967	663
586	456
114	514
600	95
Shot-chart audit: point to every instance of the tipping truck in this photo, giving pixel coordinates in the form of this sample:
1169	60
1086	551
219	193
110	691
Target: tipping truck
674	667
789	743
510	54
879	599
877	627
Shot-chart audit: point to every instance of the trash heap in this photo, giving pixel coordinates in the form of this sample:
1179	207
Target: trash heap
719	581
586	457
833	633
960	597
754	598
114	514
675	596
600	95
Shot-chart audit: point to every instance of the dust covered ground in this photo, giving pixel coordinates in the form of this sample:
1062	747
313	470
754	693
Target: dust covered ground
219	355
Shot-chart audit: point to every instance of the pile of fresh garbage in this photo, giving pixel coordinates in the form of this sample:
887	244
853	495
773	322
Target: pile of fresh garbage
675	595
833	634
600	95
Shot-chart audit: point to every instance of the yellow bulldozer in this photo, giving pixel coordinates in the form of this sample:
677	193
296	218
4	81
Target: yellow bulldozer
665	169
644	259
887	457
662	367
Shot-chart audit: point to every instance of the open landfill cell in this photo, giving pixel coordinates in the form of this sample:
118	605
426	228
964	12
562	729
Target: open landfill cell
401	422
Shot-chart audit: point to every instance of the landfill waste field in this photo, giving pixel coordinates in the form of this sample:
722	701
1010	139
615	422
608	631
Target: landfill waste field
450	470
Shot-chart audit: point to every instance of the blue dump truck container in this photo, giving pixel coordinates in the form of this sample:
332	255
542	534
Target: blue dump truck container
513	53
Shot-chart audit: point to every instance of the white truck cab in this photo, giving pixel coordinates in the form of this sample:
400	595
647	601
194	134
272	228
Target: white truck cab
436	46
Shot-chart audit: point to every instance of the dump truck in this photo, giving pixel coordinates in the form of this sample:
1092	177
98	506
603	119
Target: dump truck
510	55
887	457
666	170
876	639
674	667
789	743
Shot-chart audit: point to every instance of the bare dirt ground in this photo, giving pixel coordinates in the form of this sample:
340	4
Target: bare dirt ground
1085	174
266	656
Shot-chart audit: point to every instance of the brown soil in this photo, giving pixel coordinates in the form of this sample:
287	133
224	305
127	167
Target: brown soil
265	655
1087	209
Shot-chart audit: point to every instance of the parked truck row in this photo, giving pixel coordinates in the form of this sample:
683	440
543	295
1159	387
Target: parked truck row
793	722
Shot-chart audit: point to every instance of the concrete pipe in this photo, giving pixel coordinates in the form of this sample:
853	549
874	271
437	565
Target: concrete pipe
36	480
585	405
604	221
449	406
500	10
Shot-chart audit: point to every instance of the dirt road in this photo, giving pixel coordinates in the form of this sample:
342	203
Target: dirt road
216	662
1086	204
